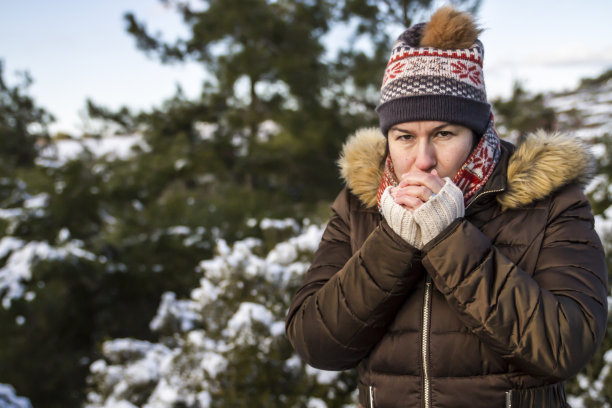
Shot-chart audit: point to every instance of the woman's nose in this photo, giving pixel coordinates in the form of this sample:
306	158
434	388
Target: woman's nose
426	157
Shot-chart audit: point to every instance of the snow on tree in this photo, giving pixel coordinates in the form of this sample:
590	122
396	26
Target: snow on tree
225	345
22	256
8	398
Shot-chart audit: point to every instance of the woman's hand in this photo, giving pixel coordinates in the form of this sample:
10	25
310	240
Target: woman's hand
416	188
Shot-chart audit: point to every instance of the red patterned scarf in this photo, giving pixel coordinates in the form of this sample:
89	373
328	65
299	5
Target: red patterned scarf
474	173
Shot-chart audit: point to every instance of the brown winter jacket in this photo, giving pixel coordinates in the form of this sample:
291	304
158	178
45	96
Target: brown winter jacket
496	311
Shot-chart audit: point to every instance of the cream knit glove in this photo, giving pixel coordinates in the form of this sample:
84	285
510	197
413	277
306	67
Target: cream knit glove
400	220
441	209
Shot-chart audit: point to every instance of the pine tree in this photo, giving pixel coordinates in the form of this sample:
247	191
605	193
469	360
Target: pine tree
268	62
22	123
225	345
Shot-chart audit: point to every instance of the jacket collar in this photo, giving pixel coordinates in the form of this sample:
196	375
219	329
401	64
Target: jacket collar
539	165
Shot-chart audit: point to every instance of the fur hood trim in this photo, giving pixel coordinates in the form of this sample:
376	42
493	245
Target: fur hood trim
542	163
360	163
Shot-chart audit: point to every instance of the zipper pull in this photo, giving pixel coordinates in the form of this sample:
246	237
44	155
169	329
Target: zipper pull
509	399
371	396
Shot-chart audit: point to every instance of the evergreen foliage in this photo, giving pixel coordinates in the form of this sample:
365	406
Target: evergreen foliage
225	345
599	80
523	113
22	123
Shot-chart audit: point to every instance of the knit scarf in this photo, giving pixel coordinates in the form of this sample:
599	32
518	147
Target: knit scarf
471	177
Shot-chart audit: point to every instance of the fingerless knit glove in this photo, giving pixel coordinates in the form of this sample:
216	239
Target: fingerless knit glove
437	213
400	219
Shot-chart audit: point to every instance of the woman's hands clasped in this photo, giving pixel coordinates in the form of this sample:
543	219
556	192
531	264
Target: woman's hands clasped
421	206
416	188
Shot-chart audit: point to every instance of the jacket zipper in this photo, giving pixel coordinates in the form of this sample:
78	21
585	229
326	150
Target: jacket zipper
371	396
425	342
509	399
482	194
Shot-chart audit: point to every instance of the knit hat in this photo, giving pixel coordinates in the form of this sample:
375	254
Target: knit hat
435	73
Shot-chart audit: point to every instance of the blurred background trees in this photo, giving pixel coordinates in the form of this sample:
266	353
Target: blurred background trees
158	227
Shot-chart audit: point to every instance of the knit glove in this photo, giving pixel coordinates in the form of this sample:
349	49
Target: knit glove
439	211
400	219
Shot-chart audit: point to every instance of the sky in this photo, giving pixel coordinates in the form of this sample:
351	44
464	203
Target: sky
76	49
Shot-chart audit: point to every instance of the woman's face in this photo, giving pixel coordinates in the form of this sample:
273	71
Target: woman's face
428	145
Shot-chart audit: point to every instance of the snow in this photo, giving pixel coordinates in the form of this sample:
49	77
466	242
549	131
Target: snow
118	147
277	328
323	376
267	129
63	235
205	130
10	213
172	310
178	230
180	164
18	267
603	223
592	106
218	267
119	350
207	293
201	336
213	363
137	205
9	244
268	223
37	201
575	402
8	398
293	363
240	326
316	403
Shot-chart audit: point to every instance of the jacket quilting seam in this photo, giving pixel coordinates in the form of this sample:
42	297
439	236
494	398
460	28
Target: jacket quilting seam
331	335
320	266
529	319
582	268
495	306
586	242
358	332
369	275
539	236
559	343
452	290
509	245
484	325
348	307
437	377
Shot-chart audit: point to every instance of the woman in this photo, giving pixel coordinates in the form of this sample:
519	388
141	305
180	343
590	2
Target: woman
457	270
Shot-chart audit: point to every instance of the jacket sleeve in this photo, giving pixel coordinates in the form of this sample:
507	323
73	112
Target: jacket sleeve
548	323
347	301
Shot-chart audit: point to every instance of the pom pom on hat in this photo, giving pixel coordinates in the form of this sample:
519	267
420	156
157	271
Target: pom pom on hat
450	29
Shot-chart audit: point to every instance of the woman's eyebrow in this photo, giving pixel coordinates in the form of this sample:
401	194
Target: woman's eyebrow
437	128
399	129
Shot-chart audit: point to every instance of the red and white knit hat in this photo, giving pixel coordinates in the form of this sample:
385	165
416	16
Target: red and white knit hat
435	73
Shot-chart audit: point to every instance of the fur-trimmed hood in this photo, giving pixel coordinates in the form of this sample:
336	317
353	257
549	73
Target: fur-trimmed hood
542	163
